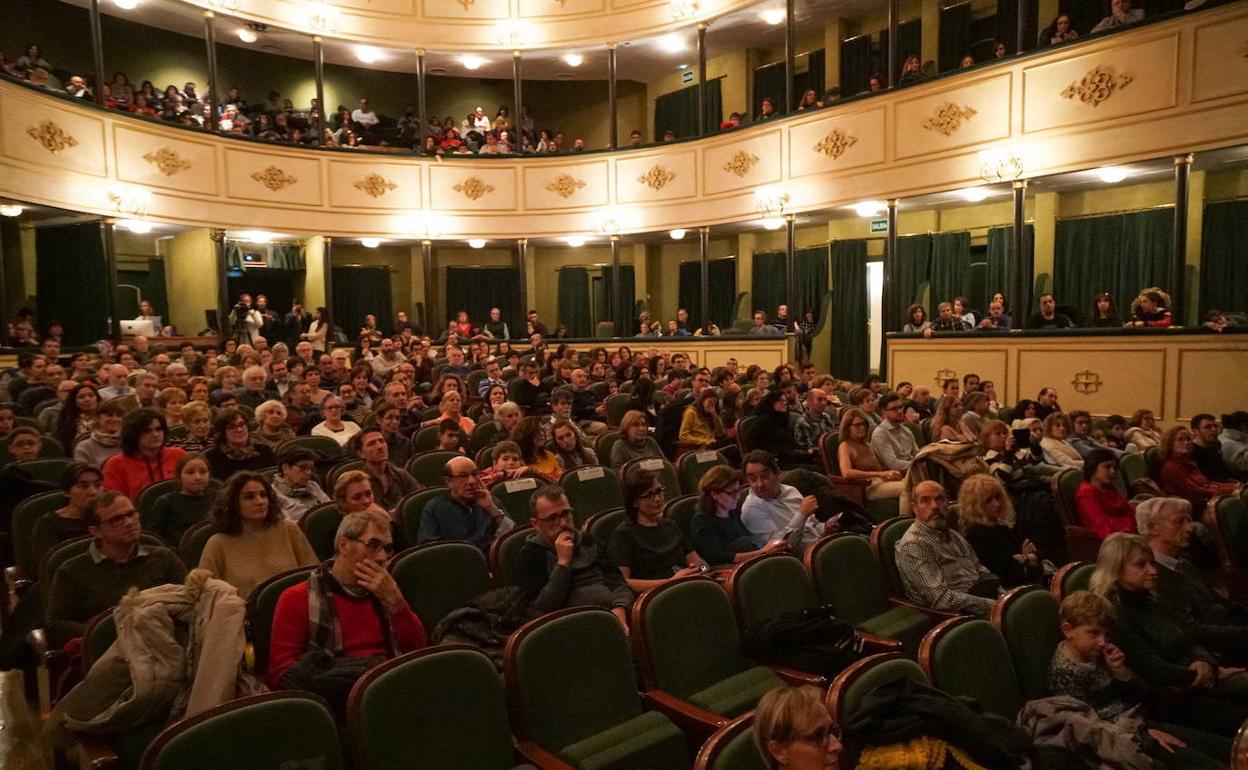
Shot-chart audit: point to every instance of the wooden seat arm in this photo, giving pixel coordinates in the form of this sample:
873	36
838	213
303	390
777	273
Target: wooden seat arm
936	615
797	677
17	580
691	719
536	755
95	753
873	644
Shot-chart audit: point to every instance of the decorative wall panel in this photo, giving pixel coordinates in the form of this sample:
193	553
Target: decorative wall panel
748	161
566	186
954	118
275	178
375	185
154	159
656	177
472	187
36	131
837	142
1221	56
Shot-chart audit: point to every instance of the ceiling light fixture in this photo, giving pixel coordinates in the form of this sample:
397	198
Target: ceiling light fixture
370	243
870	208
1001	164
575	241
973	194
129	199
477	243
246	35
573	59
773	16
323	17
421	224
471	62
369	54
513	33
672	43
136	226
682	9
126	5
1111	174
772	223
10	210
677	234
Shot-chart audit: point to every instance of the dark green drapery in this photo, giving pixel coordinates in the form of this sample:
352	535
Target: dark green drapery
1120	254
914	275
151	286
477	289
574	300
359	291
1223	267
71	279
628	302
811	266
855	64
678	111
955	35
287	256
951	265
768	282
721	279
813	76
909	41
233	256
769	82
849	315
1002	268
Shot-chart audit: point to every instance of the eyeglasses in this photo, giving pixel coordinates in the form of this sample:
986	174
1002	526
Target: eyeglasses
470	475
818	737
119	519
732	491
651	493
374	545
236	425
566	513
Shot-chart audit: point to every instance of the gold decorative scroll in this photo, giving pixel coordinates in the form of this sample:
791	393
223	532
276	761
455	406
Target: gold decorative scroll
53	138
1097	85
376	185
474	188
565	185
657	177
274	178
467	4
949	118
167	161
1086	382
835	143
741	163
945	374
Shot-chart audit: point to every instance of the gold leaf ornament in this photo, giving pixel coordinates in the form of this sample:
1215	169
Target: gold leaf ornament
274	178
741	163
835	143
375	185
51	136
167	161
1086	382
565	185
949	118
473	188
657	177
1096	86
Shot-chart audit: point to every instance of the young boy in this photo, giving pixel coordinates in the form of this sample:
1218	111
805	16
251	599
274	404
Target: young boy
1116	431
448	436
1087	666
508	463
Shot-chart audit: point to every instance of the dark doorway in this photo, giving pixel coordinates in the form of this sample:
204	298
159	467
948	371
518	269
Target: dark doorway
277	285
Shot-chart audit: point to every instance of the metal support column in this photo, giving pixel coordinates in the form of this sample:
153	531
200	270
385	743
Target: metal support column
223	287
790	55
702	126
889	301
97	48
426	266
110	270
420	96
1021	281
704	279
1178	251
329	288
318	60
210	47
612	115
894	14
522	264
517	136
1020	27
790	263
616	289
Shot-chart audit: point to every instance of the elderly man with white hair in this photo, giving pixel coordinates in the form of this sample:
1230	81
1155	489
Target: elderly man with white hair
1214	622
118	383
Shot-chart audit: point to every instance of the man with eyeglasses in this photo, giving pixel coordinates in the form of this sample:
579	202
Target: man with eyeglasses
115	562
466	511
893	443
348	616
296	490
560	566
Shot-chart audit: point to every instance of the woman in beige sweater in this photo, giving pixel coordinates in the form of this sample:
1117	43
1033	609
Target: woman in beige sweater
254	541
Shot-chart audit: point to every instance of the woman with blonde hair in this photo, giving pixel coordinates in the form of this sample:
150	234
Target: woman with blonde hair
793	730
197	417
1056	445
273	428
947	423
986	519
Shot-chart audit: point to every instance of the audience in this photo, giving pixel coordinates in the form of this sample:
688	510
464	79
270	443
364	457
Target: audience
647	548
1102	508
389	483
294	485
777	513
465	511
716	529
1142	434
635	442
179	510
1181	477
81	484
986	519
234	449
144	458
793	731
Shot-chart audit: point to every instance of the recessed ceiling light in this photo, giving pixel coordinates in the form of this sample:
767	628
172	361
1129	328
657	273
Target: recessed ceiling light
126	5
136	226
682	66
255	236
677	234
438	70
869	208
575	241
672	43
773	16
973	194
574	59
370	243
10	210
1111	174
246	35
471	62
368	54
477	243
772	223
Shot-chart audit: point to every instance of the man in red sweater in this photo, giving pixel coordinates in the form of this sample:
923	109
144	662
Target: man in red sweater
346	618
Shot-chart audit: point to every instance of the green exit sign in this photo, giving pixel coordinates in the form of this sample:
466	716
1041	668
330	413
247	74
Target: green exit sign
879	225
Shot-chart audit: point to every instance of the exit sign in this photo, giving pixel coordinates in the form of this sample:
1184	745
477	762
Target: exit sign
879	225
686	76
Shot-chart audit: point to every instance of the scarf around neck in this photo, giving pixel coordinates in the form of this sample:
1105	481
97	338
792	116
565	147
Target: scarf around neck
324	630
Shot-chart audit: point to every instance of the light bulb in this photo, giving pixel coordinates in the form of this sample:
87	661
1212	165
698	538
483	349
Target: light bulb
136	226
973	194
575	241
246	35
368	54
1111	174
869	208
773	16
370	243
573	59
126	5
677	234
772	223
471	62
10	210
672	43
477	243
255	236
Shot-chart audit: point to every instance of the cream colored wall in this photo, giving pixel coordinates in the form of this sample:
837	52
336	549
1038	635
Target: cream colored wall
314	274
29	260
733	68
190	277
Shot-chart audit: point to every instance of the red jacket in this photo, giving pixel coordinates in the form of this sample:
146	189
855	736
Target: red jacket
1104	511
128	475
1182	478
361	630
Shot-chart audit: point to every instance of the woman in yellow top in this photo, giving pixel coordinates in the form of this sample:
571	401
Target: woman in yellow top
700	425
528	435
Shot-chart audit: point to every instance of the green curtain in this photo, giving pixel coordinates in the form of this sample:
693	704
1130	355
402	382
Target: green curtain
690	290
151	286
71	281
855	64
909	41
721	289
951	265
233	256
1003	269
769	82
287	256
768	282
678	111
1223	267
574	300
849	324
812	77
359	291
955	35
628	302
476	290
811	266
914	274
1120	254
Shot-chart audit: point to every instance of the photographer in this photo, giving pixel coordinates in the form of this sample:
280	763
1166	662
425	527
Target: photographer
245	320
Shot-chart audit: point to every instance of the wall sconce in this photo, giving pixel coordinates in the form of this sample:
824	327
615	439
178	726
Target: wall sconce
130	200
1004	164
225	5
609	222
323	17
682	9
770	203
422	225
513	33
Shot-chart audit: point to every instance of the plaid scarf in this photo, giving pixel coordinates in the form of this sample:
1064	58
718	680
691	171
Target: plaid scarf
324	630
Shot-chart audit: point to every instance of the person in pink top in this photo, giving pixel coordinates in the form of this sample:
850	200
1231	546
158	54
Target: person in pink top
1101	507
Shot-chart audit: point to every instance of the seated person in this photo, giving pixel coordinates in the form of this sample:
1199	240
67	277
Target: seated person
1101	507
115	562
348	616
701	426
253	541
1047	316
1150	308
235	450
1214	622
561	566
569	446
1057	450
947	424
81	484
295	484
1122	13
647	548
1206	695
1234	442
1207	451
104	440
508	464
818	418
793	730
1180	475
1081	435
144	458
892	441
1142	433
635	442
716	529
197	417
771	431
857	460
775	512
390	483
938	567
448	436
176	511
946	321
466	511
1087	667
530	436
334	426
986	519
